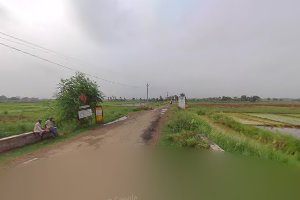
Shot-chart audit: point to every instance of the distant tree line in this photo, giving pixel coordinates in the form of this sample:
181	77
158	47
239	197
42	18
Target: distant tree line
243	98
18	99
160	98
120	99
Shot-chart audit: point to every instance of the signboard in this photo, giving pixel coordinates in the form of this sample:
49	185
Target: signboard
83	99
181	102
99	114
85	113
83	107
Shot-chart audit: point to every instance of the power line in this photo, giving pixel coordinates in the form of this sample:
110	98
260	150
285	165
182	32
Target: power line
38	47
27	42
19	43
35	46
63	66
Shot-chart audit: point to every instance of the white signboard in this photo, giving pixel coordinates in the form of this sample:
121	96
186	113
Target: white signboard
83	107
85	113
181	102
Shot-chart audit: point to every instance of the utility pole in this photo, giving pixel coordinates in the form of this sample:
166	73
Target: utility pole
147	91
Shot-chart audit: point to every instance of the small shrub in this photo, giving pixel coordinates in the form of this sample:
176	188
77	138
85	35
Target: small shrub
68	127
183	121
201	112
22	128
204	111
189	140
5	112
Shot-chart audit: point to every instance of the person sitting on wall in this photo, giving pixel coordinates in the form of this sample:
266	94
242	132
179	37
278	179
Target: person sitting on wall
50	126
38	128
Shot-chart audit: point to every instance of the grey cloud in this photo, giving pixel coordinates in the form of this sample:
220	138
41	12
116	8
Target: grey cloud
202	48
3	13
105	20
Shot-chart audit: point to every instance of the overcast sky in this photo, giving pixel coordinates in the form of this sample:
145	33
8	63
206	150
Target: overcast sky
200	47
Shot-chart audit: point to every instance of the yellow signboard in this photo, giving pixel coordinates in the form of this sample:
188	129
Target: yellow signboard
99	114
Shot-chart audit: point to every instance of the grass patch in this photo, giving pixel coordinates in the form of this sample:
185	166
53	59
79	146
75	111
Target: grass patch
17	118
182	130
279	118
188	139
183	127
285	143
67	131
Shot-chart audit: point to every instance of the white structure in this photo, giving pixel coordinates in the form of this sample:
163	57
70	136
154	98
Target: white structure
85	113
181	102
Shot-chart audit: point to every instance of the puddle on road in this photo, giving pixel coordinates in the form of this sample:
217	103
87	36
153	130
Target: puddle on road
290	131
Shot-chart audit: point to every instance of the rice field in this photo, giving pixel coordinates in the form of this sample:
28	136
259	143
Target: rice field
268	131
288	120
17	118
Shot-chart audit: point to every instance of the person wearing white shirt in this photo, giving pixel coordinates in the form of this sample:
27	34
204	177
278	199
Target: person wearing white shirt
38	128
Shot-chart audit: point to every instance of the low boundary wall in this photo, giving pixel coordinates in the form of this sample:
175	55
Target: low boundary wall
21	140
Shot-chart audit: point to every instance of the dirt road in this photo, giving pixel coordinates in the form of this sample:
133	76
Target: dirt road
97	165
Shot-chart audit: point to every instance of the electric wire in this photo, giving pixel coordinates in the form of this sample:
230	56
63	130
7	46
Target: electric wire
64	66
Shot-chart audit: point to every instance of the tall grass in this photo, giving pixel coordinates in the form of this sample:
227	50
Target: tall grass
285	143
183	127
17	118
182	130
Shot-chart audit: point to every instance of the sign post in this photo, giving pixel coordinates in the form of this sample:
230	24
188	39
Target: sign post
99	115
84	112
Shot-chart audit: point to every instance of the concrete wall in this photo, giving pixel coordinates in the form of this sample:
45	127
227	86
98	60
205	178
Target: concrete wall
21	140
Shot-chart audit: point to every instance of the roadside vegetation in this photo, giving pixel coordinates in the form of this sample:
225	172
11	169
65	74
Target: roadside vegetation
231	135
112	111
284	143
17	117
183	129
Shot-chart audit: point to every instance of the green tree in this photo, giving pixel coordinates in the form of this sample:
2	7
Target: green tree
69	92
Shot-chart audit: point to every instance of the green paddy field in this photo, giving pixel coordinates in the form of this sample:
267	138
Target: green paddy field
265	130
17	118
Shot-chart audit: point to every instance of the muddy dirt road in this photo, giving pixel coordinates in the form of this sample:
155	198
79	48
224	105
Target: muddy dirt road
101	164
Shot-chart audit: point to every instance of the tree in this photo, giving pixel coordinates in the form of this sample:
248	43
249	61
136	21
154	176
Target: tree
244	98
161	98
255	98
69	92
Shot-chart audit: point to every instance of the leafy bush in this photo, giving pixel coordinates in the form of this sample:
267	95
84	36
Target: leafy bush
183	121
69	92
68	127
189	139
